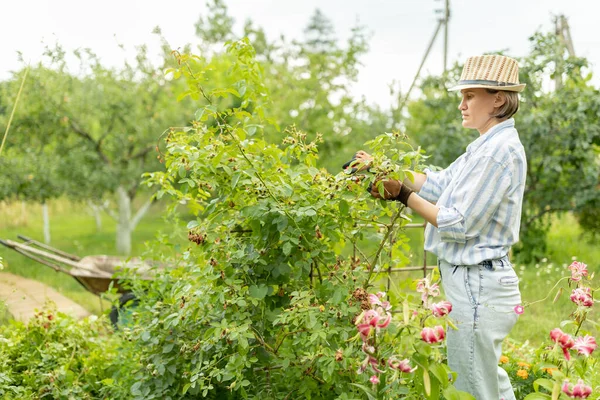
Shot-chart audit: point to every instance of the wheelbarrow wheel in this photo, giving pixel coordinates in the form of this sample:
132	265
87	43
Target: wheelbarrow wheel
120	315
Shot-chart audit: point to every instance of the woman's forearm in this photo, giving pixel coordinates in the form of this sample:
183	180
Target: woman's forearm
424	208
418	183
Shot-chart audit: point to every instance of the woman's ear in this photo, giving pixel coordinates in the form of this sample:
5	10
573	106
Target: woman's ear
499	99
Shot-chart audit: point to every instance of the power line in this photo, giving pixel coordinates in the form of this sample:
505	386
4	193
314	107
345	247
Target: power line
444	20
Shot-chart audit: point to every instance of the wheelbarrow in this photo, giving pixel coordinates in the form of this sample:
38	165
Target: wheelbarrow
95	273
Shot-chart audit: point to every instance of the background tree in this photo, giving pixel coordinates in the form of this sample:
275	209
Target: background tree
559	128
309	82
101	126
561	134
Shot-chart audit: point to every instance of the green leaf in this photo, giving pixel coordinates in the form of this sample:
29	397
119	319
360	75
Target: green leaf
192	224
426	383
344	207
545	383
537	396
441	373
310	212
258	292
135	388
338	296
451	393
370	394
287	248
235	179
168	347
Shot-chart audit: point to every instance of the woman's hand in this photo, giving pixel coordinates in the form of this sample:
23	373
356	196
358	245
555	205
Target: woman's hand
364	158
391	188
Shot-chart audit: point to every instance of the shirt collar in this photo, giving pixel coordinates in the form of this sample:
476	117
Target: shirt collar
494	130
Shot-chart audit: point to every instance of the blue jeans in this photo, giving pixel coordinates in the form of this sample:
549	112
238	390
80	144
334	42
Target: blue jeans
483	298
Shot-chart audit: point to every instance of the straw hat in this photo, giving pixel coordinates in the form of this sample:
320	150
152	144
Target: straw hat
490	72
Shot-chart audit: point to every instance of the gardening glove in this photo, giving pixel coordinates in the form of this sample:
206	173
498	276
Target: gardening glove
391	188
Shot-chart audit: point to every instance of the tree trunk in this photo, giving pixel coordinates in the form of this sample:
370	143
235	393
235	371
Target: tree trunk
46	223
98	218
97	213
23	213
124	226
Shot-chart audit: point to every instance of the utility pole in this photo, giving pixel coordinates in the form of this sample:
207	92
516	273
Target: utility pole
563	32
441	21
446	19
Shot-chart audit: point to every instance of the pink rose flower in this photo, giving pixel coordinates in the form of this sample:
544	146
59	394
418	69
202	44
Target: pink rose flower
384	321
519	309
441	309
582	297
401	365
369	361
372	319
433	335
374	379
585	345
555	334
375	300
577	391
374	364
565	341
426	288
578	270
368	349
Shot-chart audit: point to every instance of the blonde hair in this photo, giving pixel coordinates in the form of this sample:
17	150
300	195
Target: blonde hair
510	106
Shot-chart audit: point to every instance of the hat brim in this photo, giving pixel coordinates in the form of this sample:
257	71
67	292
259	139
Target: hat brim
514	88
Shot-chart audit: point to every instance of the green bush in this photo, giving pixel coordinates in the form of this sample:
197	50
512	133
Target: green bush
55	356
264	300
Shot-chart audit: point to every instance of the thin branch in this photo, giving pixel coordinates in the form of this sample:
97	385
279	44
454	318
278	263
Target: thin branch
111	213
262	342
141	212
318	272
97	146
383	242
142	153
545	211
286	335
12	114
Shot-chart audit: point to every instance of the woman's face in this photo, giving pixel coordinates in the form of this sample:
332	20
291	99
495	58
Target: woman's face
476	108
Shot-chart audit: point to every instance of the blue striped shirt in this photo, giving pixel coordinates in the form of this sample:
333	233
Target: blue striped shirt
480	196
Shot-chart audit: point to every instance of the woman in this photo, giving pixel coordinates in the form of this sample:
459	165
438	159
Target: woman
473	210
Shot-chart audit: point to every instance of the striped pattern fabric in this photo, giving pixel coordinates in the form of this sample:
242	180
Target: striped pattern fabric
491	68
480	196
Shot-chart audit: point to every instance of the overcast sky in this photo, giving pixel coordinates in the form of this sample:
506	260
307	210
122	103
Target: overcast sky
401	29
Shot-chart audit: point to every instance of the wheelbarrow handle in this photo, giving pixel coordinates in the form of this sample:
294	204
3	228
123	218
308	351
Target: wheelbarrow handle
49	248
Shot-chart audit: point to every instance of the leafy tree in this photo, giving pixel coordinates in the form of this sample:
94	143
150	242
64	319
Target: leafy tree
99	127
434	121
561	134
309	83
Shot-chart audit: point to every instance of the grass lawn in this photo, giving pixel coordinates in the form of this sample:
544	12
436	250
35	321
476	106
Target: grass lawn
565	243
73	230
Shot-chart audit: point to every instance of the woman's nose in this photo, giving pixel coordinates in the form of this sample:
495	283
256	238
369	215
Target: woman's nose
462	105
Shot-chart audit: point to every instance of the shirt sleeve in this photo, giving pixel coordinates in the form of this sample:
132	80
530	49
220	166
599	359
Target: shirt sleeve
436	182
477	195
